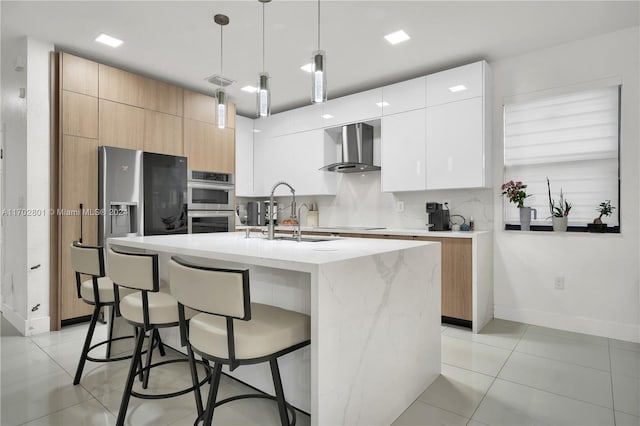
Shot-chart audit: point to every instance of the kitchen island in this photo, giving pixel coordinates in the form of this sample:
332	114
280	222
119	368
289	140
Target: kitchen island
375	316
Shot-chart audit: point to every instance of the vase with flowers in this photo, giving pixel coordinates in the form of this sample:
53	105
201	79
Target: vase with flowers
559	211
515	192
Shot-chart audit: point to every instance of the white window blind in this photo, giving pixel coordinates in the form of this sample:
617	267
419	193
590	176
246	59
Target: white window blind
572	139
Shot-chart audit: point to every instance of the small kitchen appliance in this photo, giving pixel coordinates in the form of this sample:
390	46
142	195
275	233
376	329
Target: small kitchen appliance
438	217
255	213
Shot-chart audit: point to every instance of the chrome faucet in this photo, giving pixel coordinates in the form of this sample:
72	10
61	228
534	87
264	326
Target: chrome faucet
299	217
270	225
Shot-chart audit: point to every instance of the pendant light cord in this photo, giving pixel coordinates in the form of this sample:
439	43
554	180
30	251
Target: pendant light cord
221	52
262	37
318	24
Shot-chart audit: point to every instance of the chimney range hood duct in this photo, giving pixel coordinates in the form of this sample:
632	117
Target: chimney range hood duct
357	150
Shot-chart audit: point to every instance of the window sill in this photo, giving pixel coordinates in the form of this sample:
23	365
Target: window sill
571	229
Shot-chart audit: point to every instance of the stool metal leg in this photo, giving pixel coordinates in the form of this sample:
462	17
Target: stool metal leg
160	344
195	380
126	395
277	384
145	375
87	344
213	393
112	318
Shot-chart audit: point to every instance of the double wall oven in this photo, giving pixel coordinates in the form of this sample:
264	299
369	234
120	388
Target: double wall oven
211	202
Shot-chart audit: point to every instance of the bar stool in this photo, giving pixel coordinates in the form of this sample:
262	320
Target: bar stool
148	310
231	330
98	291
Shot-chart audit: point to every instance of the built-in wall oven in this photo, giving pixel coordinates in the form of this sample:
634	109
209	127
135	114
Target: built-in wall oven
211	202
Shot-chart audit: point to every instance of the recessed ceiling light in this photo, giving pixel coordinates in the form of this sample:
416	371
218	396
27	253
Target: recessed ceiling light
250	89
256	130
397	37
108	40
326	116
307	67
382	104
458	88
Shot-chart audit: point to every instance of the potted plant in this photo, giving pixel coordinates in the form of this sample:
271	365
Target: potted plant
605	209
559	212
515	192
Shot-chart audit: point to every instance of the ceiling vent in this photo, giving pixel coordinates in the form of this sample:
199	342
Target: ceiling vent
218	80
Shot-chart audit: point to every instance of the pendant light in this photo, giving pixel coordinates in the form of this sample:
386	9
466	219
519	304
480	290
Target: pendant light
221	95
319	73
264	94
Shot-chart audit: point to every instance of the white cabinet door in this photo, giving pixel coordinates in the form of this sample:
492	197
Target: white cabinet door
353	108
295	158
305	118
402	153
405	96
244	156
459	83
455	145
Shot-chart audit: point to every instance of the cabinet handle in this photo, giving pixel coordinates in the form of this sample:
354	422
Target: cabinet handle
81	214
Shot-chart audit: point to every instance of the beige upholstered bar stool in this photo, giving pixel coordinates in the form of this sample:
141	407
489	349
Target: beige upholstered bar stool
148	310
98	291
231	330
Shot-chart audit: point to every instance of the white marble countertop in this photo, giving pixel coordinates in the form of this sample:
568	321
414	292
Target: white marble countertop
384	231
257	250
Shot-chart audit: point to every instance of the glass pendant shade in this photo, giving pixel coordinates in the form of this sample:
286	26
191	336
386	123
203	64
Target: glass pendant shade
319	77
221	109
264	95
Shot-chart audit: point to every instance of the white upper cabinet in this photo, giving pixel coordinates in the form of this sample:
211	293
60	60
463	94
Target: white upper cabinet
405	96
305	118
455	145
244	156
295	158
353	108
403	151
456	84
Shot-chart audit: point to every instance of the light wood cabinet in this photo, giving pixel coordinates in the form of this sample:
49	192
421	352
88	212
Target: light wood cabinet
120	86
79	75
79	115
121	125
456	277
161	97
162	133
209	148
79	183
199	107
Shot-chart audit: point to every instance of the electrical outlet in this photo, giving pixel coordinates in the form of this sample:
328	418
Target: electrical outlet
446	204
399	206
558	283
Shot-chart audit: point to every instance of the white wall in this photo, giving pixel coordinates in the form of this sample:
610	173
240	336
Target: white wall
601	272
26	239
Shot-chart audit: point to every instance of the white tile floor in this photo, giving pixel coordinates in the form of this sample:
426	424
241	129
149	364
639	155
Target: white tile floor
510	374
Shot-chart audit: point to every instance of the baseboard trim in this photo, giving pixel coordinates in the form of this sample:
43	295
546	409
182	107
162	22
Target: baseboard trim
15	319
38	325
611	329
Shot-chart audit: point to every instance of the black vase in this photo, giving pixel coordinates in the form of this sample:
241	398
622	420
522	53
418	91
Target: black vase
597	227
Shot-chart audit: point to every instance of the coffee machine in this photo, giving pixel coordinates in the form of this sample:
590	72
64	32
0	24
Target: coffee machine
438	217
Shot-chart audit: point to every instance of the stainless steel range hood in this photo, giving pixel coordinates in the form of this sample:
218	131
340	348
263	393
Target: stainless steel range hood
357	150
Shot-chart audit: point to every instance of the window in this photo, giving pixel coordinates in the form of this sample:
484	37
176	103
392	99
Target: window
574	140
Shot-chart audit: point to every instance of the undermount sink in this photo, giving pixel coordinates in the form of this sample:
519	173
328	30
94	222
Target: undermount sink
304	239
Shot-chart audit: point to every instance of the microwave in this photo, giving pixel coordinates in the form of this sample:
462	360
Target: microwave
210	191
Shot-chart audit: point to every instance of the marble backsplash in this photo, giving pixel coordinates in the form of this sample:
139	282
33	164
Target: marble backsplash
359	202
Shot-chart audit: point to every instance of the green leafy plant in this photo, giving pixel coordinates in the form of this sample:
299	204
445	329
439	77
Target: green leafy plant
515	192
562	208
605	209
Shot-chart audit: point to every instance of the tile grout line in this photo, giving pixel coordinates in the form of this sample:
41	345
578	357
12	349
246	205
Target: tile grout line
497	374
613	401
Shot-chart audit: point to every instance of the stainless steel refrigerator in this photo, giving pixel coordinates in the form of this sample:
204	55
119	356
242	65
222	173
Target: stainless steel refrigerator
141	193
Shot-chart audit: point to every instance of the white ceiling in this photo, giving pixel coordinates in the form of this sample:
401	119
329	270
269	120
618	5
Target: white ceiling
177	41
